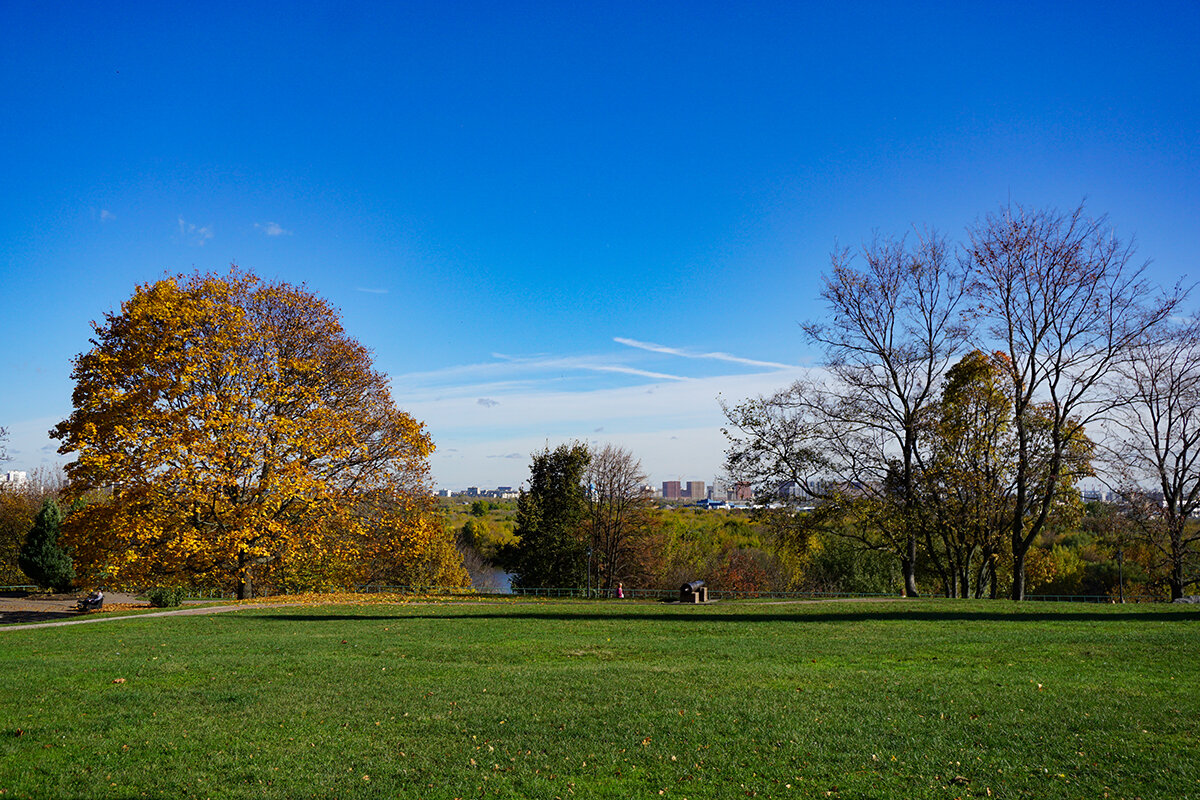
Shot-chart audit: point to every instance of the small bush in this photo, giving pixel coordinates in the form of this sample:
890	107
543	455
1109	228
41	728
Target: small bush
164	597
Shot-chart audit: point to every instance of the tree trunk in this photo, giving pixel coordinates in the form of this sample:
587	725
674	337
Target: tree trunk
909	566
985	576
1175	526
245	589
1176	579
1018	585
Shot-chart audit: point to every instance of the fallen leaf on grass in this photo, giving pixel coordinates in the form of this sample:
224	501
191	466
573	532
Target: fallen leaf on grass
118	680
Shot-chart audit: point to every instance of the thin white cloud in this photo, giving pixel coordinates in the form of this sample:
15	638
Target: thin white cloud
675	351
586	363
666	454
662	376
367	290
548	409
673	422
513	370
272	229
193	234
106	215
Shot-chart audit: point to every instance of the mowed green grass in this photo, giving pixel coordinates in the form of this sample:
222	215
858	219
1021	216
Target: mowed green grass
909	699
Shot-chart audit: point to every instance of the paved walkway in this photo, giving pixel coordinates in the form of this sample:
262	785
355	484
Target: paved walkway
117	615
49	611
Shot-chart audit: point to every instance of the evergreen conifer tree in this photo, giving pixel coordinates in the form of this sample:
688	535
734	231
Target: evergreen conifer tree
551	516
41	558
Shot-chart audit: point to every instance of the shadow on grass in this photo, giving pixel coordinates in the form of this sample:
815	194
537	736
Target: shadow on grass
15	617
881	615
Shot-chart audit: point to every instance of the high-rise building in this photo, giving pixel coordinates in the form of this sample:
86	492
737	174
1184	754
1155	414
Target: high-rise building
671	490
695	491
14	478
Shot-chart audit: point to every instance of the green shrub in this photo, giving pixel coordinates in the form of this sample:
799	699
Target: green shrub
837	565
163	597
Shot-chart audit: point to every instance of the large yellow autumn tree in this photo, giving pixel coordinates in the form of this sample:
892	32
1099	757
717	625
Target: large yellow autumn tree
235	435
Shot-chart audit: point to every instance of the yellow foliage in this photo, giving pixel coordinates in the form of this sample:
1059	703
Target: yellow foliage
238	433
1041	567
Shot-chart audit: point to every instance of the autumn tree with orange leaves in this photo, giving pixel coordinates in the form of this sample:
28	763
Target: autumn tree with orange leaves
236	434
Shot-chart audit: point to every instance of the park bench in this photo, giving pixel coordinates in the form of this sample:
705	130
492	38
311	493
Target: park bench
90	605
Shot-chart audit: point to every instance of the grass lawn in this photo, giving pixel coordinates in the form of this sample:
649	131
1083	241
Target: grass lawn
913	699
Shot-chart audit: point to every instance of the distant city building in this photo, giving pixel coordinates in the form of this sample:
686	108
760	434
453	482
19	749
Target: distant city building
792	490
679	490
742	491
1100	496
15	479
812	488
501	492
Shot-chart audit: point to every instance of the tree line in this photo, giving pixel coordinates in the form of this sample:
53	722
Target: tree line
965	391
228	432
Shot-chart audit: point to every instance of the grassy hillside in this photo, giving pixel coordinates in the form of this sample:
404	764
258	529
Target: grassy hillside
923	699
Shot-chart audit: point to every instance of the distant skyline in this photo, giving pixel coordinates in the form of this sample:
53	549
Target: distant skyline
554	222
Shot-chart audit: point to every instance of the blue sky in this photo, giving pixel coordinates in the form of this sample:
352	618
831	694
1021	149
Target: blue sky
554	221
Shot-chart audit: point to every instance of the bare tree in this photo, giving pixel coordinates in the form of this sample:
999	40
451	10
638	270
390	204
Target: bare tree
895	326
852	435
1065	306
799	445
618	505
1157	444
